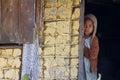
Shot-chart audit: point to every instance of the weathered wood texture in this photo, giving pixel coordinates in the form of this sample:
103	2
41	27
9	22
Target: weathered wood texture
37	10
81	41
39	18
16	21
0	21
26	20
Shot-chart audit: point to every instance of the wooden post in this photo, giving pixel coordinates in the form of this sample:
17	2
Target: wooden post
81	67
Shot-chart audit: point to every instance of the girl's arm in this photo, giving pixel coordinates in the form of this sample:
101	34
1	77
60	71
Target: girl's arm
92	54
94	50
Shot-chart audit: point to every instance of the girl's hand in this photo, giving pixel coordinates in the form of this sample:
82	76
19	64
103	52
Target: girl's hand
93	65
93	69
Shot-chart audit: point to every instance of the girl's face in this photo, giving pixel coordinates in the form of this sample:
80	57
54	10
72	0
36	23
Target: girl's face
88	26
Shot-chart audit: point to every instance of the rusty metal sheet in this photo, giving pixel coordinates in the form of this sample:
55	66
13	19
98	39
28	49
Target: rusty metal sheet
26	20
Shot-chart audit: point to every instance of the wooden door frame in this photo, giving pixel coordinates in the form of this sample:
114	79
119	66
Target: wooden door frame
81	41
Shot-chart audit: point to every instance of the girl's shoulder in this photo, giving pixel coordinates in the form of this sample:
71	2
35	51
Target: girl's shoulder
95	39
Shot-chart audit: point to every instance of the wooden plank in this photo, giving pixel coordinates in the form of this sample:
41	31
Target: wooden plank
81	75
0	21
26	20
9	21
37	12
42	8
38	19
16	21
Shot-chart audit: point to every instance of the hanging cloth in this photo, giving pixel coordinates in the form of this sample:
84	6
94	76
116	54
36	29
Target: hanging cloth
31	59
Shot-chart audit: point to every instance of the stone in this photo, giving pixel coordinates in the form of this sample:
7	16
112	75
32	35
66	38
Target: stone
49	73
62	50
64	13
63	27
17	52
75	32
50	13
3	62
65	3
10	62
49	62
60	61
9	52
50	28
74	72
75	39
16	63
17	72
75	50
75	25
10	74
49	40
51	3
76	2
1	73
49	51
61	39
60	72
74	62
76	13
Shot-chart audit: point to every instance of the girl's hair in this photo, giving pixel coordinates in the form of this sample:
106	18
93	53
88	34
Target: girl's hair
87	18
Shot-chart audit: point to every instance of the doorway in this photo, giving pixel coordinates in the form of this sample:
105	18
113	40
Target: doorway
108	32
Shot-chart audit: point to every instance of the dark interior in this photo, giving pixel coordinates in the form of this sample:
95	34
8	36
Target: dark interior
108	32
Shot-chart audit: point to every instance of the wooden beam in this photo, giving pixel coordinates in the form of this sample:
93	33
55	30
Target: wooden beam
81	67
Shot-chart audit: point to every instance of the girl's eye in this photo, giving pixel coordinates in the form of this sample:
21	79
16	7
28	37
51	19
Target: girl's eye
90	26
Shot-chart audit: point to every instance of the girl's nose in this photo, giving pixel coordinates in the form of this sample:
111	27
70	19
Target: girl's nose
86	27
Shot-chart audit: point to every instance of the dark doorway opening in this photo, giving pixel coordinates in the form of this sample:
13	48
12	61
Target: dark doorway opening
108	32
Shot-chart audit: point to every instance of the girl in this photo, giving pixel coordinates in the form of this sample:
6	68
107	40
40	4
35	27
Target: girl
91	47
